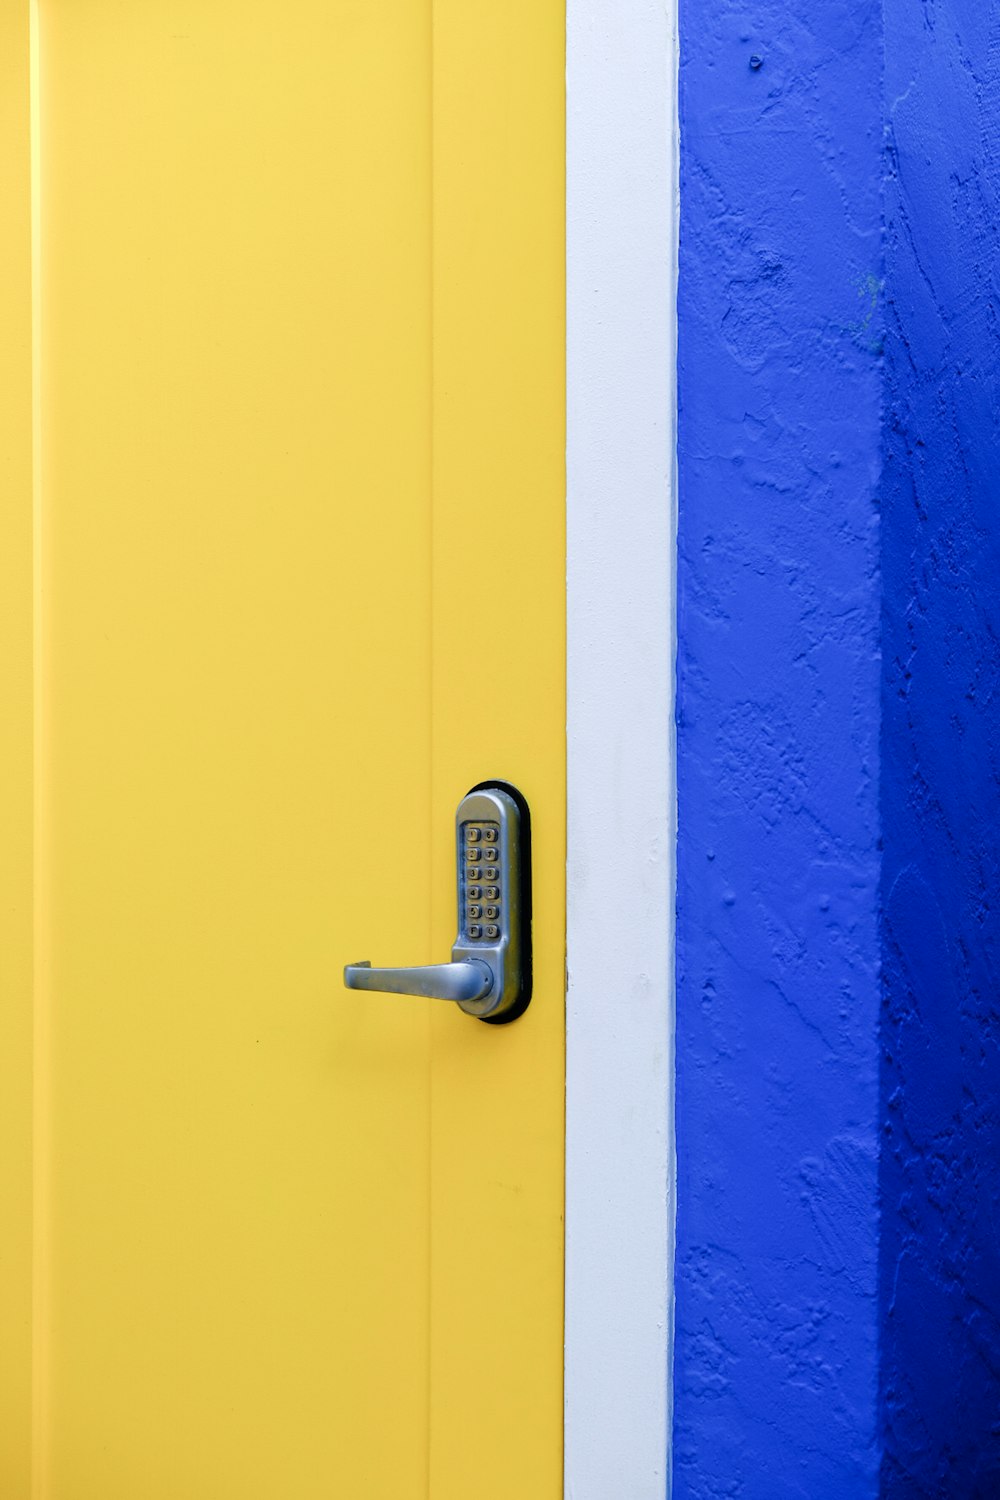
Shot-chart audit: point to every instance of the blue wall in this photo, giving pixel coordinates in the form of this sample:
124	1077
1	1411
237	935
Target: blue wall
778	720
838	1008
940	1272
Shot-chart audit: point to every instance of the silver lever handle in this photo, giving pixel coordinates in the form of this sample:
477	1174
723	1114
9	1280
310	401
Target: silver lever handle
470	979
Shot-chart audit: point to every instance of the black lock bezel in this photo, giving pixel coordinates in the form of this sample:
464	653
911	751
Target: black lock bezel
524	890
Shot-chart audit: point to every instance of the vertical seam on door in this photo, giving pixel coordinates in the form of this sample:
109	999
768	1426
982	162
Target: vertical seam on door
40	1240
429	886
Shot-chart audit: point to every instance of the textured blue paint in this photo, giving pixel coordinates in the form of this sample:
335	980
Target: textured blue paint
940	1270
838	1009
776	1363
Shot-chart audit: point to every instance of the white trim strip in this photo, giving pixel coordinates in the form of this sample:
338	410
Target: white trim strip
621	531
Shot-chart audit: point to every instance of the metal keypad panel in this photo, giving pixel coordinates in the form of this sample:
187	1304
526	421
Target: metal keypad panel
493	913
481	898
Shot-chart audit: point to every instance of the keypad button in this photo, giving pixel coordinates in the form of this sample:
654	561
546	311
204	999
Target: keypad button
490	835
492	931
490	855
475	931
492	893
472	835
474	872
491	913
474	892
473	854
477	911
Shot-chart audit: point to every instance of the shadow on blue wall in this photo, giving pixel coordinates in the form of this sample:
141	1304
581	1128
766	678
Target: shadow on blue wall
940	790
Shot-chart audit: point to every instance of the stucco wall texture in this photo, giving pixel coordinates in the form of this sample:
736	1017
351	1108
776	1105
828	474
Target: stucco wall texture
838	925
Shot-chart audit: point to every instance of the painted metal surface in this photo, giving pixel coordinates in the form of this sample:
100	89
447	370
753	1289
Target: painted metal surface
778	750
940	1268
621	265
298	337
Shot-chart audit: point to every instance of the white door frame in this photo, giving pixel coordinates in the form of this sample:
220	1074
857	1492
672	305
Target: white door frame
621	279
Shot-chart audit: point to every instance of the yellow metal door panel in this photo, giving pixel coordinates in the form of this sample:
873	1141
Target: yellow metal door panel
297	518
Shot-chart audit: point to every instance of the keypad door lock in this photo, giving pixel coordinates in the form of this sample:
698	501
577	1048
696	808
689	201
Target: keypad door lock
489	975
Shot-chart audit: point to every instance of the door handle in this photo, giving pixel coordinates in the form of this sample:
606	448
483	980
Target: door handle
467	980
490	971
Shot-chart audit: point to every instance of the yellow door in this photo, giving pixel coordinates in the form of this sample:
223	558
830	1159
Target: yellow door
282	393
